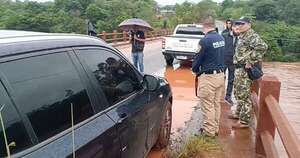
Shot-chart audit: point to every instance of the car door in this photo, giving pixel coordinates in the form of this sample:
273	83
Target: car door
97	137
157	102
127	101
13	134
58	106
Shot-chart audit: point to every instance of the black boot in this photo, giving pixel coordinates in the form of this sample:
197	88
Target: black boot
228	100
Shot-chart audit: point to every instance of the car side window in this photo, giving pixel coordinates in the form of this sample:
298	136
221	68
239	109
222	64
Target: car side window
115	76
44	88
13	135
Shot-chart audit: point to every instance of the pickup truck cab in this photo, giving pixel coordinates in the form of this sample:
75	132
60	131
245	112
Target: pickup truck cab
183	44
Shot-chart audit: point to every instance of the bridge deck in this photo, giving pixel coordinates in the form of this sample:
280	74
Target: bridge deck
238	143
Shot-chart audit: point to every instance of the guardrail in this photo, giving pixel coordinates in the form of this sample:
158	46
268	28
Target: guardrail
265	99
115	36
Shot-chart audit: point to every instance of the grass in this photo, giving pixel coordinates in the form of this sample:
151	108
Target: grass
199	147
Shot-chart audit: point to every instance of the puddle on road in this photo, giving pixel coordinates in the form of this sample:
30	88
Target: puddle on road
182	84
186	114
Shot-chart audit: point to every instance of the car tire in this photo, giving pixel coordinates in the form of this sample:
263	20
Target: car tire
169	60
165	128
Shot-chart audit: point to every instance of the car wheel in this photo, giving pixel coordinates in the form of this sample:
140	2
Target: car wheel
165	128
169	60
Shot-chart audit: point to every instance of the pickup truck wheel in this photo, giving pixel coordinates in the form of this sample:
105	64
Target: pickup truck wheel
169	60
165	128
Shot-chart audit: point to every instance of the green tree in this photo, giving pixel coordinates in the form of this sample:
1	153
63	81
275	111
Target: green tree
226	4
95	13
292	12
266	10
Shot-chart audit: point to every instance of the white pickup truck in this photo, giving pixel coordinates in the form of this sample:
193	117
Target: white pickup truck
183	44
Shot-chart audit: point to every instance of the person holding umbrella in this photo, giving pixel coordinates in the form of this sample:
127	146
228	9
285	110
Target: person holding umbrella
137	29
137	48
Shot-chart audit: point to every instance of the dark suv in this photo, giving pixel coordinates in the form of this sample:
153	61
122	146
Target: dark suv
62	95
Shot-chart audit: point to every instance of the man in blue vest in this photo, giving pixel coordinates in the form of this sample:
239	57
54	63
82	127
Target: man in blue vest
208	64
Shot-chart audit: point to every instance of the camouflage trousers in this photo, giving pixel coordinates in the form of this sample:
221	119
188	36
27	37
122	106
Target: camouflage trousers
242	93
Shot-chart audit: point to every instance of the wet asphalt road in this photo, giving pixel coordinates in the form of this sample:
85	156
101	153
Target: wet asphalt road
153	58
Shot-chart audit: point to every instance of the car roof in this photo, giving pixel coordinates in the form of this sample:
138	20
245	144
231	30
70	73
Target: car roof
18	42
189	25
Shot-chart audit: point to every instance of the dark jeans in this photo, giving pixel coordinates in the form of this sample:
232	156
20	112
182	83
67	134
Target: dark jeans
231	69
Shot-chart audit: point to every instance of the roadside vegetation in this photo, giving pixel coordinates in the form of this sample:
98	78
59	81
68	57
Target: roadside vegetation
277	21
70	15
198	147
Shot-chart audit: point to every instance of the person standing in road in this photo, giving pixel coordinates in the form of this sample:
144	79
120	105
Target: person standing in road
228	59
209	65
249	51
138	43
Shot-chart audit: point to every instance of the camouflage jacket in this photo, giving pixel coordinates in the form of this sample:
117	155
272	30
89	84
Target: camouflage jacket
250	48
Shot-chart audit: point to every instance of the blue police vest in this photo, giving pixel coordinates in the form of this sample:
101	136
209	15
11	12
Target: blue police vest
211	55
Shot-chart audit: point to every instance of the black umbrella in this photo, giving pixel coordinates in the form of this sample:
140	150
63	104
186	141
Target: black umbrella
135	24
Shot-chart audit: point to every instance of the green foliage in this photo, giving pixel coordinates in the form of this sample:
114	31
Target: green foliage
95	13
193	13
263	10
283	40
266	11
276	21
70	15
292	13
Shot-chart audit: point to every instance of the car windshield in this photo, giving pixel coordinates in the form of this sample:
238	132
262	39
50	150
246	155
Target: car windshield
190	30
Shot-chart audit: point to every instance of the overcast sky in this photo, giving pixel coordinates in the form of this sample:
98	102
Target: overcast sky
162	2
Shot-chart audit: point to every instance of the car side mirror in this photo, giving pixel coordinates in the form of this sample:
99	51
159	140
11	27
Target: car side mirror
150	83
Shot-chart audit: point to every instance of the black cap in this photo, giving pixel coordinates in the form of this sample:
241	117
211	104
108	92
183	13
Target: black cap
243	20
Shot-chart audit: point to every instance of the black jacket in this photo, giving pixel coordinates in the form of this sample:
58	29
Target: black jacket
137	46
229	47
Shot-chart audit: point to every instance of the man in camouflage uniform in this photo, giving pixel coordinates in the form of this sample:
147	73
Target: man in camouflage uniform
249	50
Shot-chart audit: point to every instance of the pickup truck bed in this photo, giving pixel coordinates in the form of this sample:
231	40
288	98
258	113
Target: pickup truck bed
181	47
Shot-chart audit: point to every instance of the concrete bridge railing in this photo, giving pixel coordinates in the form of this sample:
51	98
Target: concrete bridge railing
269	116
